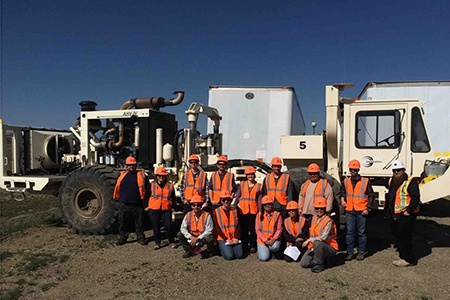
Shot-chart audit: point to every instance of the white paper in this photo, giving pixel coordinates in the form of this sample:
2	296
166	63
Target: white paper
292	252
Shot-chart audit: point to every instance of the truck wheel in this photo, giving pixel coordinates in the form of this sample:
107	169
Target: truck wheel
85	200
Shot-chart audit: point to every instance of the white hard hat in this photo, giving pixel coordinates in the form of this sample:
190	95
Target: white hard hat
397	165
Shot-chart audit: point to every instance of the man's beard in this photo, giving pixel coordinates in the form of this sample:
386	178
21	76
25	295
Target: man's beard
398	180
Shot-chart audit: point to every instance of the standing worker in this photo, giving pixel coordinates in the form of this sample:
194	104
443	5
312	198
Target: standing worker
221	180
322	242
248	197
196	229
194	181
130	190
269	228
401	207
295	230
357	199
162	194
313	188
278	186
226	225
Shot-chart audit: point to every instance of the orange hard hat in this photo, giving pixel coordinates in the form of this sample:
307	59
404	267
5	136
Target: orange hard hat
276	161
130	160
161	171
193	157
292	205
225	194
197	199
223	158
313	168
266	200
354	164
249	170
320	202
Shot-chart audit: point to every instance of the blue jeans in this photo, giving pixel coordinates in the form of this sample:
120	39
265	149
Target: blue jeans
265	251
356	225
230	252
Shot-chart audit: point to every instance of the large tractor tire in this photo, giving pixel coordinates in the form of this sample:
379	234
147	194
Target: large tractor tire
86	200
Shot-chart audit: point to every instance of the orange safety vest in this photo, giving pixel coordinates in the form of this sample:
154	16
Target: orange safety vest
356	198
268	228
294	229
248	202
194	226
402	197
140	181
217	185
191	186
160	197
226	224
316	230
319	191
279	189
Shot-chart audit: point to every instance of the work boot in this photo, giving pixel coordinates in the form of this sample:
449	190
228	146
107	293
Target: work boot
252	250
317	268
349	257
360	256
187	254
401	263
143	242
205	254
121	242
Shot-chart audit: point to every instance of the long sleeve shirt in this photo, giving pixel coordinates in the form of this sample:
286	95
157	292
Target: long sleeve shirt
278	226
290	193
413	191
369	192
307	204
326	231
209	228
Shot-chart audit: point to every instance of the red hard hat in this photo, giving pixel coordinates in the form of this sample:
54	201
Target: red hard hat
193	157
320	202
249	170
292	205
354	164
225	194
313	168
266	200
197	199
130	160
276	161
223	158
161	171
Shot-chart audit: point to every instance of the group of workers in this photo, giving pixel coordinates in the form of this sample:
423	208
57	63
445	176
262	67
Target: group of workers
236	220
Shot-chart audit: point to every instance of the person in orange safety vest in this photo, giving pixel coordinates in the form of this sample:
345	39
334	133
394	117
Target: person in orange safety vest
221	180
295	229
269	228
194	181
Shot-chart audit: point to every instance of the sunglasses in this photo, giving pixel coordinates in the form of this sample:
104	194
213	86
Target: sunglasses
320	208
353	170
396	171
193	162
313	174
267	204
225	200
196	205
221	164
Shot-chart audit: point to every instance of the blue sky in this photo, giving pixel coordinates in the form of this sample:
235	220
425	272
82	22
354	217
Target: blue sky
56	53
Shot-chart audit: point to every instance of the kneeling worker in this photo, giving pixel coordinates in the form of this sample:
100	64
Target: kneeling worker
196	229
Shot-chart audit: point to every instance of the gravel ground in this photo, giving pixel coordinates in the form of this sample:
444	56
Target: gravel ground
53	263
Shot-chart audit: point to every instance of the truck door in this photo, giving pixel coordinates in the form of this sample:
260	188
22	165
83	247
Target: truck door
376	136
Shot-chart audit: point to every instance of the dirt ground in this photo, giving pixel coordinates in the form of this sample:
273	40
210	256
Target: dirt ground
51	262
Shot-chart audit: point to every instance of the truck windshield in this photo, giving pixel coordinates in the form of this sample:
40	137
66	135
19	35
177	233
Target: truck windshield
378	129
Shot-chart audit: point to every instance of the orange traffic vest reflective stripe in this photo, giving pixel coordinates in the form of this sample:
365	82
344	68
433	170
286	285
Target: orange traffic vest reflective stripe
160	197
279	189
402	197
226	223
194	226
319	190
317	228
268	227
140	181
356	198
294	229
191	186
248	202
218	185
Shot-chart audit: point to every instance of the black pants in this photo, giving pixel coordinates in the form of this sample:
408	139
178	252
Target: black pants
402	227
248	233
130	213
156	216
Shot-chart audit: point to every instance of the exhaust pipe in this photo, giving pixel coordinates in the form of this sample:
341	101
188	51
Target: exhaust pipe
153	102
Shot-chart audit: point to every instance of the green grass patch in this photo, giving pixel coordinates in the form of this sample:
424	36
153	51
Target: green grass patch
11	294
34	261
47	286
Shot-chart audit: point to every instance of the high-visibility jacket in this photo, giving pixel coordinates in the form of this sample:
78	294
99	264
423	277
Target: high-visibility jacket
196	227
278	190
218	185
140	182
316	230
319	191
160	198
356	197
248	202
402	197
191	186
226	223
268	227
294	229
